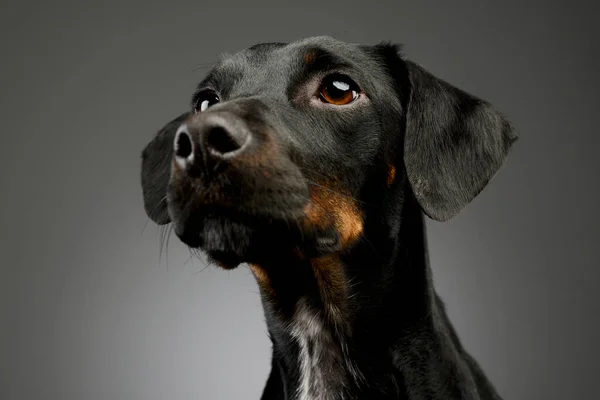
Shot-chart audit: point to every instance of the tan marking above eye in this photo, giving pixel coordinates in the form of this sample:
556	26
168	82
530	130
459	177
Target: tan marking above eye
310	58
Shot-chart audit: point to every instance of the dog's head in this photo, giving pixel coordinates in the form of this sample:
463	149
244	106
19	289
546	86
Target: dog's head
293	147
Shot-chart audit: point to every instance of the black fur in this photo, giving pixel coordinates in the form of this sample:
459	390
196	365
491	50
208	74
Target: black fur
444	145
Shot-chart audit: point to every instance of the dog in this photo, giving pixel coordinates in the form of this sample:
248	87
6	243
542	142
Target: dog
315	163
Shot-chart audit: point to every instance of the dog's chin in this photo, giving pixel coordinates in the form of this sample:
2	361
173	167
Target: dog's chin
229	242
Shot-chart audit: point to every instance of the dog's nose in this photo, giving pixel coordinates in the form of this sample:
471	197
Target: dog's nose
218	136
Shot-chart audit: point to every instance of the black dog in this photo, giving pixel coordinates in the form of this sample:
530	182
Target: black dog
315	162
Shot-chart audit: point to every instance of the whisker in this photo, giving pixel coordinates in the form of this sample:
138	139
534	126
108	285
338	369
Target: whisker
170	230
163	231
153	209
206	265
189	258
159	203
145	226
370	244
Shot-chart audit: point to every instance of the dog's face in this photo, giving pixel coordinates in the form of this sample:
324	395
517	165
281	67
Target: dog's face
292	148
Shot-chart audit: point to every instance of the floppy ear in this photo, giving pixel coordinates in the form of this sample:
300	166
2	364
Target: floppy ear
454	144
156	171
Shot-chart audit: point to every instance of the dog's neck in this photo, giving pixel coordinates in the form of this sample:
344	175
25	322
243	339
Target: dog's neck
355	324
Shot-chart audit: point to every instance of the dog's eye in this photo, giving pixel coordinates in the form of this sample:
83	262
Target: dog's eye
339	90
205	100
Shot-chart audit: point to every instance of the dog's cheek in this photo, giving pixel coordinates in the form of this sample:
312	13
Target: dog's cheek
330	208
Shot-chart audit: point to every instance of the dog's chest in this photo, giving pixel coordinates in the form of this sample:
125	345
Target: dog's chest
323	367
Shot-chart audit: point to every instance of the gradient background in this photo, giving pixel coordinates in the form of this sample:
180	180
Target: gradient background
89	308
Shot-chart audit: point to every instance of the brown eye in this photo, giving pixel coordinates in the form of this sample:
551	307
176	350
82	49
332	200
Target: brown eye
204	100
339	90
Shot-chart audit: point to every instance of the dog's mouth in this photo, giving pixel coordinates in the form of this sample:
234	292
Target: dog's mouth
230	237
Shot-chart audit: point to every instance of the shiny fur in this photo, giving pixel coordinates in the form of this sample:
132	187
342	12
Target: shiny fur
327	203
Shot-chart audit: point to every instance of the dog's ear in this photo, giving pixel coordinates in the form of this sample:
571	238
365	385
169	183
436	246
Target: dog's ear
156	171
454	143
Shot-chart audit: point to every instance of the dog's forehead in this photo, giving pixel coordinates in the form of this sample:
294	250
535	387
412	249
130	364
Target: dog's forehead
272	57
270	66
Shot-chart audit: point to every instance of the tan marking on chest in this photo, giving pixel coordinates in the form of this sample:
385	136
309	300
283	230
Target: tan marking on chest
334	286
262	277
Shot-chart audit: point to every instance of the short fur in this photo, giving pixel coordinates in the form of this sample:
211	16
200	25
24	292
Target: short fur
326	204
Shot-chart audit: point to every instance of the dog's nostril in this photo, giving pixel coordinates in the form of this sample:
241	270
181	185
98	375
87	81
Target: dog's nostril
221	141
183	144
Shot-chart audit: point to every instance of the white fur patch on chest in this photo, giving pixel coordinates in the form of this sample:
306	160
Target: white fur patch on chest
322	366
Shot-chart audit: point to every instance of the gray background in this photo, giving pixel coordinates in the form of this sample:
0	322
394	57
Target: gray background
90	310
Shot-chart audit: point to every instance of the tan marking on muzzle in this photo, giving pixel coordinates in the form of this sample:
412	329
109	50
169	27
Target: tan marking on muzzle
391	175
331	208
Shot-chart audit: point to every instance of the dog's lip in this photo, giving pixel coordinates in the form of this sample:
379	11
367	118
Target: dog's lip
192	230
225	260
280	233
191	236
